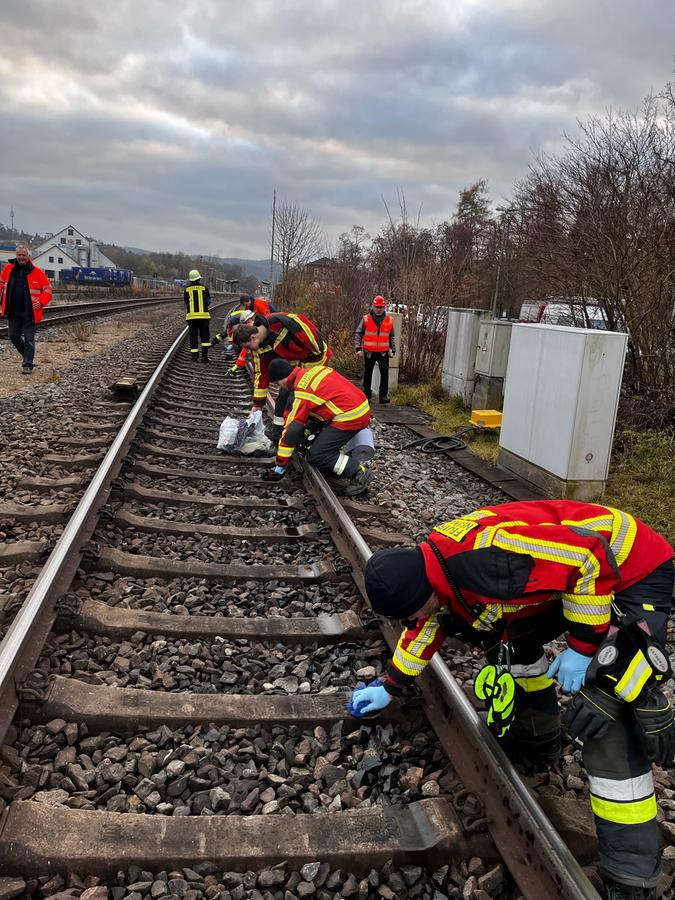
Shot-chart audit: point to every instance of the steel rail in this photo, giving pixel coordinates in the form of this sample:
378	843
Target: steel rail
25	637
536	855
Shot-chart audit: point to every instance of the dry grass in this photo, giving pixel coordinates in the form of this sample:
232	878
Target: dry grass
58	349
642	478
81	331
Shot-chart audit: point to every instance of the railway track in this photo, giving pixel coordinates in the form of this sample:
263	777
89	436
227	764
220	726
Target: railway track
173	689
59	314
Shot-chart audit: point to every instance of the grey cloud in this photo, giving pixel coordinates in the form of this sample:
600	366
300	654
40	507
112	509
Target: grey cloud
180	118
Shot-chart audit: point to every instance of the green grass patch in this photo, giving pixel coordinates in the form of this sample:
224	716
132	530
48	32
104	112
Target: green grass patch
448	416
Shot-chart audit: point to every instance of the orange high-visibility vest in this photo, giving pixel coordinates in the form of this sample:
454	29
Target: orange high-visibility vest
376	337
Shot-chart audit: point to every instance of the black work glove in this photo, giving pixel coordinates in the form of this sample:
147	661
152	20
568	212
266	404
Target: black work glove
272	474
591	712
654	716
275	433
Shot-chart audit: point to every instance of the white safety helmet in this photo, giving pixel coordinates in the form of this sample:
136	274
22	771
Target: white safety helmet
193	275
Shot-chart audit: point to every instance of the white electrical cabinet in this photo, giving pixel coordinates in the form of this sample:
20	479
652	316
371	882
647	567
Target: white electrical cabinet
459	357
492	355
560	401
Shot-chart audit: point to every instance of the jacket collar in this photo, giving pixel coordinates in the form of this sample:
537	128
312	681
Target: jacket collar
28	267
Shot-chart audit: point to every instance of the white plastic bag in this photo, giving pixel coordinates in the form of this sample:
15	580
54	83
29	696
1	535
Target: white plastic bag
256	439
227	433
244	436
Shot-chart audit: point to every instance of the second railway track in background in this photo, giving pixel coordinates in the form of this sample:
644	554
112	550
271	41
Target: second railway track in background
180	671
65	313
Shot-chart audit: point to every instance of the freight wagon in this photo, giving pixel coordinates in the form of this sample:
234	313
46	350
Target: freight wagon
105	276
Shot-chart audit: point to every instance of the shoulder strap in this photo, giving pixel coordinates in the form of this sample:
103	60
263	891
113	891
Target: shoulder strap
472	611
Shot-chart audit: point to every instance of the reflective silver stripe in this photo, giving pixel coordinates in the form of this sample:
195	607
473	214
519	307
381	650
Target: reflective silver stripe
640	673
278	420
545	550
425	637
341	464
622	790
531	670
487	619
479	514
588	609
618	544
404	663
483	538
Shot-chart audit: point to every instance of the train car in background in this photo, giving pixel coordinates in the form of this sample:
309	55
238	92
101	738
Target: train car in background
105	277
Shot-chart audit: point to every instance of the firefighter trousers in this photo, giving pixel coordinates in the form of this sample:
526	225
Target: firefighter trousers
325	453
199	333
619	770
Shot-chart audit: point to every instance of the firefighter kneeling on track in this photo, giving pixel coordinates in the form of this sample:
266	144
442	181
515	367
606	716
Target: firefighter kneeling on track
197	302
515	576
324	396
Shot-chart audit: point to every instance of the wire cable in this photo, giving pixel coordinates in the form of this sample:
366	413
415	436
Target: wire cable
441	443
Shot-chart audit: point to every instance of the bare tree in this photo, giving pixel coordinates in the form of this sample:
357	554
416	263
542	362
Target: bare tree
298	237
600	231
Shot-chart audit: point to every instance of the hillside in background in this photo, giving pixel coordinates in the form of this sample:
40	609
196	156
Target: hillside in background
176	265
258	268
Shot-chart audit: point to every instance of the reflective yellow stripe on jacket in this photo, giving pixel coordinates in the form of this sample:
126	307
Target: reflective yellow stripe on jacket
197	308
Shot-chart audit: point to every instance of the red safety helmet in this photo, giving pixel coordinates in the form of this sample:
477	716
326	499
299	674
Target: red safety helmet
379	302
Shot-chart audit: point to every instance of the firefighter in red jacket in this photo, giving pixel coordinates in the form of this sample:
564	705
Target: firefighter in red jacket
515	576
24	292
330	400
247	308
289	336
376	342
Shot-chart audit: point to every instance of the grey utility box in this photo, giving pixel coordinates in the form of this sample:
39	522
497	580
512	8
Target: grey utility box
492	356
459	358
560	401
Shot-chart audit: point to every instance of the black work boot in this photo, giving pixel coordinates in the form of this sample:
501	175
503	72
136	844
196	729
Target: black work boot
384	400
358	483
194	357
617	890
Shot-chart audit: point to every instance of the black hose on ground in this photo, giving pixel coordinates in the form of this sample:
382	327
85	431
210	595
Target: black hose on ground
441	443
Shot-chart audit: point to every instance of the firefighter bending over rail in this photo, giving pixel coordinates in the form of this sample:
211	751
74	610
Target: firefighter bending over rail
515	576
289	336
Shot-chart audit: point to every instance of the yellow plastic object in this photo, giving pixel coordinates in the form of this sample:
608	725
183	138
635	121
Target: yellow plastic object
486	418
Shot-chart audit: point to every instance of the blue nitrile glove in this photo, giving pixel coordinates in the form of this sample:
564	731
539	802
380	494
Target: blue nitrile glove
368	699
570	668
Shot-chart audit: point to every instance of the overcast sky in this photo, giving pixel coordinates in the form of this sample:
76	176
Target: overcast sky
166	124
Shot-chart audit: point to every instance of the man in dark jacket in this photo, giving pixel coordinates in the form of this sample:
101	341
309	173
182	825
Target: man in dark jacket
376	341
24	292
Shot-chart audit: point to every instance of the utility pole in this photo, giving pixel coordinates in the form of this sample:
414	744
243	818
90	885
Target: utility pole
274	216
11	216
